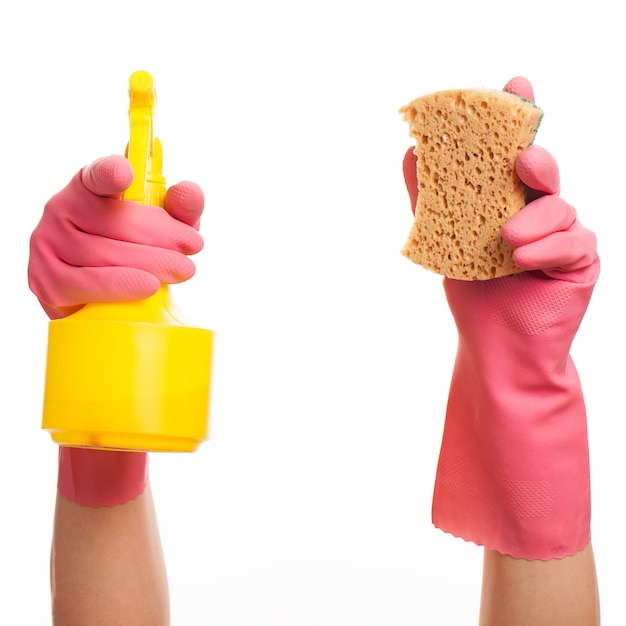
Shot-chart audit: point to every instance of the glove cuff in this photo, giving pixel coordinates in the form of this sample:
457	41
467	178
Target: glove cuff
99	478
513	472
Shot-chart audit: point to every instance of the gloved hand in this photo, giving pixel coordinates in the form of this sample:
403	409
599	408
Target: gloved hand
513	471
91	246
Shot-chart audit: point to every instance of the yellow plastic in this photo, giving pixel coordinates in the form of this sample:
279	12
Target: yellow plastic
130	376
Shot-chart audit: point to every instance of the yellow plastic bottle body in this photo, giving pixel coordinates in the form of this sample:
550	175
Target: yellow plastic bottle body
130	384
130	376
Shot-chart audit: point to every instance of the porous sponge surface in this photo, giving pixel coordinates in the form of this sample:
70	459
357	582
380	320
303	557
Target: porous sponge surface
467	141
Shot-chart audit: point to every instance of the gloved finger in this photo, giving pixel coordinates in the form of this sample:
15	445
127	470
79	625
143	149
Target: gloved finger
108	176
565	251
185	202
168	266
147	225
71	212
76	286
520	86
537	220
409	167
538	169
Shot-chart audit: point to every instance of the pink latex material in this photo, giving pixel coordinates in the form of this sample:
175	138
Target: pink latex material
99	478
513	472
91	246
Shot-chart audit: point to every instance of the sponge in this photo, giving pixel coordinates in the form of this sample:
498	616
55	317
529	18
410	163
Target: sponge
467	141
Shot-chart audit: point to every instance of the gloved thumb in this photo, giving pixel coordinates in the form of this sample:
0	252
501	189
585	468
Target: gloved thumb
409	167
109	176
520	86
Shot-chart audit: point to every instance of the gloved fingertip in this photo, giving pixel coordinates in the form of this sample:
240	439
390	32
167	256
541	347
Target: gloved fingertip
135	284
513	234
185	270
538	170
185	202
409	168
108	176
520	86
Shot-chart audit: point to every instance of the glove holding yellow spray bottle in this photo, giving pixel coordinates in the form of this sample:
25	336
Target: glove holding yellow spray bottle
130	376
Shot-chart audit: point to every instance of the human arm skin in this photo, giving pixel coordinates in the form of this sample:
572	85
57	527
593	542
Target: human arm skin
107	565
558	592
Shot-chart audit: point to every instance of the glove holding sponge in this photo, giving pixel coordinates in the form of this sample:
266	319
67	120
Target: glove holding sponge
513	472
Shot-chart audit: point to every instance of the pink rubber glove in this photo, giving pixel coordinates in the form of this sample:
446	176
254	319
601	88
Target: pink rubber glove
513	472
90	246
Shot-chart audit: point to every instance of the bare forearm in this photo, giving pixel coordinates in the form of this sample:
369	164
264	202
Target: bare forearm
107	565
558	592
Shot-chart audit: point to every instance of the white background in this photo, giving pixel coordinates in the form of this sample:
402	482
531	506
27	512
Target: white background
311	503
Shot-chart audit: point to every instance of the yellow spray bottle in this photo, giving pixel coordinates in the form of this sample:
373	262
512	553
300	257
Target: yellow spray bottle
134	375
